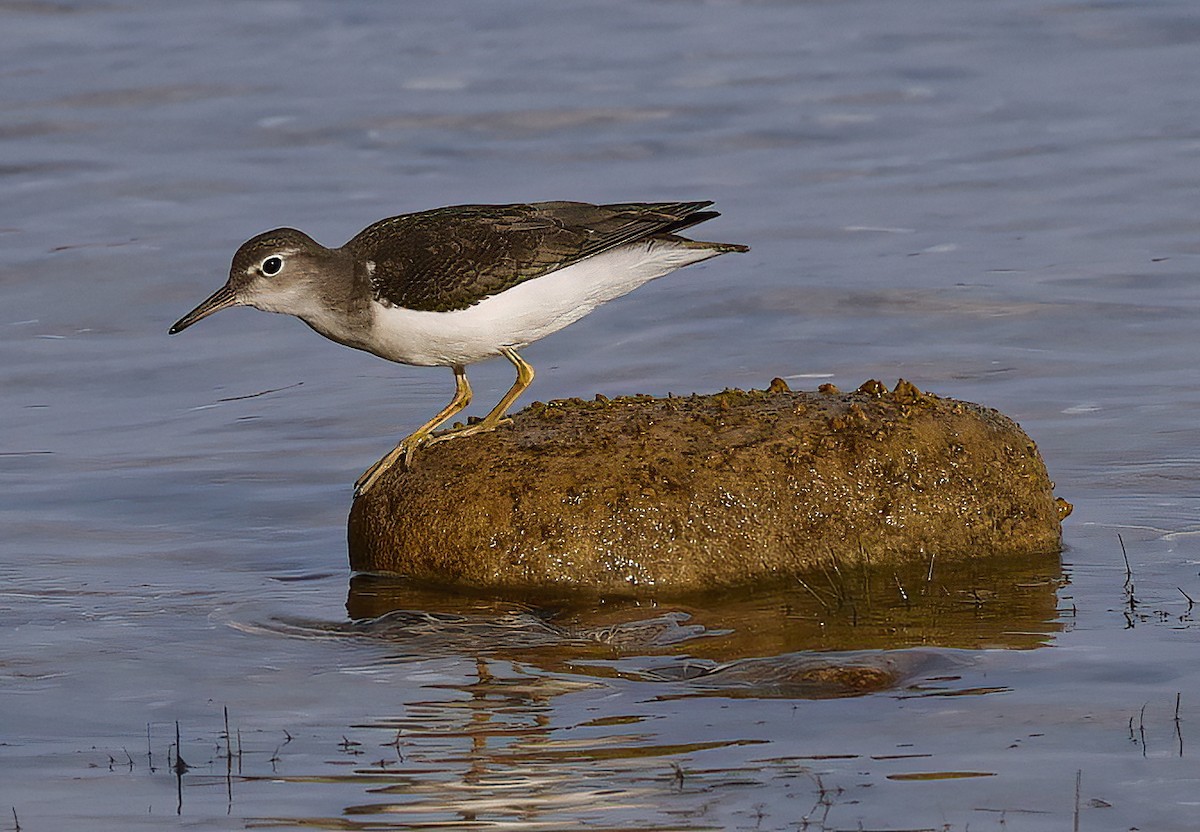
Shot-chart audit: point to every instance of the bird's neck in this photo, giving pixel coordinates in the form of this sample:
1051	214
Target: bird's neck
337	306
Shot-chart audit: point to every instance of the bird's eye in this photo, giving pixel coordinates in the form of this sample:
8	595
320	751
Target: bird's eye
272	266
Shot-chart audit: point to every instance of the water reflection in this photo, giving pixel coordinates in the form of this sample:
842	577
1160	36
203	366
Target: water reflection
838	632
495	755
511	747
984	602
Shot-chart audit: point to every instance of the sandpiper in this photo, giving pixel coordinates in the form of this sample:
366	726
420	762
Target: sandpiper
456	285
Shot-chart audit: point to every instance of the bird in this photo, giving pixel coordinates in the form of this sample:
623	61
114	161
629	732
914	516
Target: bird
456	285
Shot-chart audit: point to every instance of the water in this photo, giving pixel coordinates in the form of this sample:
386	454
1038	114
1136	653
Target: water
995	201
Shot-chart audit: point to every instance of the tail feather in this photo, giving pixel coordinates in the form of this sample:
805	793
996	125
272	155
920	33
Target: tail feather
695	218
716	248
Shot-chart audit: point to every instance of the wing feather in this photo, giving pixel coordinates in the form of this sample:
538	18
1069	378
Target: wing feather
451	258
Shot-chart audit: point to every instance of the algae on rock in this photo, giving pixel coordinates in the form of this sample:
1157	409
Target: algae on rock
684	494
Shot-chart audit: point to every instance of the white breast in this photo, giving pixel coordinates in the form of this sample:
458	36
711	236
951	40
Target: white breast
526	312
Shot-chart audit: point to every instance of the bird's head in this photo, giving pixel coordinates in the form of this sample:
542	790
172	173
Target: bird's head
277	271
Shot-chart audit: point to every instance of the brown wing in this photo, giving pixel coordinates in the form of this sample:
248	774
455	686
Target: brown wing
451	258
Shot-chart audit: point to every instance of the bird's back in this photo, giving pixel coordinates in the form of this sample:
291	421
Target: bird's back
450	258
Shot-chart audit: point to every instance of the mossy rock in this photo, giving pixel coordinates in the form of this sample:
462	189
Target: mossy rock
685	494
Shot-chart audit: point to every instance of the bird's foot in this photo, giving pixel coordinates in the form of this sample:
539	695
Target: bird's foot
403	451
469	430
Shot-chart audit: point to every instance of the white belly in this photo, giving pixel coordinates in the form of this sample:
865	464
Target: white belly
526	312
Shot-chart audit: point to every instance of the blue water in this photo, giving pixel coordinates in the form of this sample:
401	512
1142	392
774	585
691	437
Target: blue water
995	201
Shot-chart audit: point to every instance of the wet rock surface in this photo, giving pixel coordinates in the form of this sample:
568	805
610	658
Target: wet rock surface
683	494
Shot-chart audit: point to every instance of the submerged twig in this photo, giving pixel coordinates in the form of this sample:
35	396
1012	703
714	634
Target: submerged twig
396	743
260	393
180	765
824	803
678	776
814	594
1078	784
839	589
228	763
1178	728
1131	601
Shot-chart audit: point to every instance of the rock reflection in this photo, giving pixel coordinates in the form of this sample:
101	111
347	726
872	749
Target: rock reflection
987	602
508	748
838	632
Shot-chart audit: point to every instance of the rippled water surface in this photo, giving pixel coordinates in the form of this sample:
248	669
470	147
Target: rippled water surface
996	201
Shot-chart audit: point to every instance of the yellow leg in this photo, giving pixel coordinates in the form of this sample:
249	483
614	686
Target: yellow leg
462	398
495	417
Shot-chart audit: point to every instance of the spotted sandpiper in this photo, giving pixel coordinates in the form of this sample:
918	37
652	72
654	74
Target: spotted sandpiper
453	286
